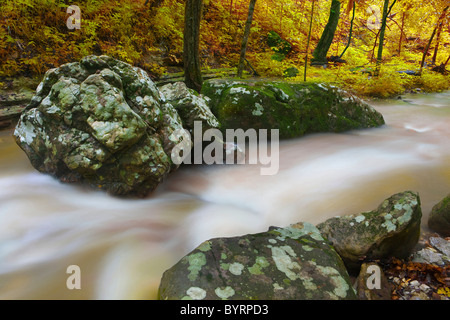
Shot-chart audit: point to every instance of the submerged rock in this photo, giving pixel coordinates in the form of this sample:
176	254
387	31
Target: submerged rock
392	230
100	122
439	219
295	109
283	263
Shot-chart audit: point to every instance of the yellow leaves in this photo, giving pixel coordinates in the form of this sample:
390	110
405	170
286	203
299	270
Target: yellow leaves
445	291
433	81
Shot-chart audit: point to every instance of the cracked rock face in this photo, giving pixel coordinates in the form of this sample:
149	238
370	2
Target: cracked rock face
283	263
100	122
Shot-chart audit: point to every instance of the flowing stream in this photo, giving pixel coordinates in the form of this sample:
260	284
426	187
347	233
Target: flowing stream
123	246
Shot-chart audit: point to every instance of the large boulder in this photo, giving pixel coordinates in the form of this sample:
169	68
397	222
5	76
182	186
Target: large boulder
190	105
439	219
101	122
295	109
283	263
392	230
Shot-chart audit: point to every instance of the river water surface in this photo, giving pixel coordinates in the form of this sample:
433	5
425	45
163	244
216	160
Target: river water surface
123	246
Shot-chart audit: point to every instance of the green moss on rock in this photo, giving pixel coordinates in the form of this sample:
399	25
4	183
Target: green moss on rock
295	109
100	122
439	219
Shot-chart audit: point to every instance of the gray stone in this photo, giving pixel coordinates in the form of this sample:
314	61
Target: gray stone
429	256
392	230
103	123
439	219
441	244
283	263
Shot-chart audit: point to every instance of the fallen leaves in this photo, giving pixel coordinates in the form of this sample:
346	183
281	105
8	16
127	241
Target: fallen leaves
421	280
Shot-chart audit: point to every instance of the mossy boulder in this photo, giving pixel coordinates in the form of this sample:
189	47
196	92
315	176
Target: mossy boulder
100	122
190	105
392	230
283	263
439	219
295	109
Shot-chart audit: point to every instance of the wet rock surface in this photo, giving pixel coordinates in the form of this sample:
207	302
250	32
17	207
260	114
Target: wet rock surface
296	109
439	219
283	263
392	230
100	122
299	262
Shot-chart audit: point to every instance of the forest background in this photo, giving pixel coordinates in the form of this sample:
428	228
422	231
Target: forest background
149	34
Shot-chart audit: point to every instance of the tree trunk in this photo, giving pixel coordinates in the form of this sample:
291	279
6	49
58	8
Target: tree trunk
401	33
425	52
436	48
351	30
192	70
320	53
448	59
438	35
248	25
309	38
386	11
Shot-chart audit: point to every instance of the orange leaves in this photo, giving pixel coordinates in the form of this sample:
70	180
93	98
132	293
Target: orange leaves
406	275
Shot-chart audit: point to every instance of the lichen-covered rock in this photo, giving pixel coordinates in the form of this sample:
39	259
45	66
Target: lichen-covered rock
283	263
100	122
392	230
295	109
190	106
439	219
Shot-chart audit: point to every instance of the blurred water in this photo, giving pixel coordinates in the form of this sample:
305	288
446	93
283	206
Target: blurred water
124	246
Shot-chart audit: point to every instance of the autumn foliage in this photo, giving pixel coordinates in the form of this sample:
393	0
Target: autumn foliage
149	34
